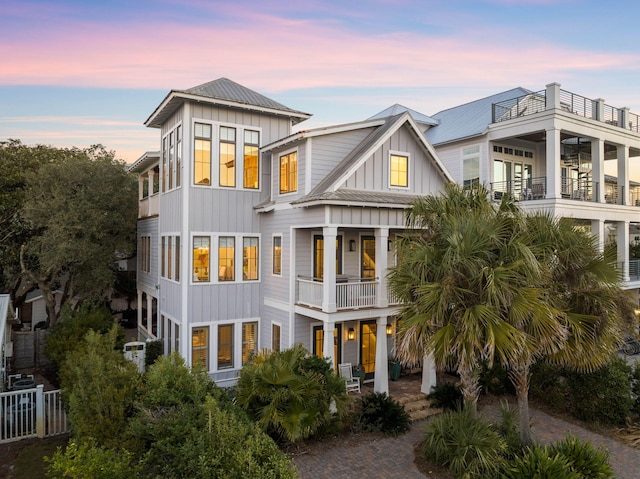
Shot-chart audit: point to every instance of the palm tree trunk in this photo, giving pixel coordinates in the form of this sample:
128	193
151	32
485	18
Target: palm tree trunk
520	378
470	388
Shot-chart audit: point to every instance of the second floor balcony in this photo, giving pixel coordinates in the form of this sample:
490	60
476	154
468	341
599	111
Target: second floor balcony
351	292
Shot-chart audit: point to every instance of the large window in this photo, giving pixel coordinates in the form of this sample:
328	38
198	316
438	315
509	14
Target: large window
227	156
200	347
145	254
318	256
249	259
249	341
225	346
275	337
399	171
170	257
251	170
471	166
202	154
277	255
201	258
226	253
289	173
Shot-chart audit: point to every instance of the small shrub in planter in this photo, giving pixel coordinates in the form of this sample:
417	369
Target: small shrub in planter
380	413
466	443
585	459
447	396
539	463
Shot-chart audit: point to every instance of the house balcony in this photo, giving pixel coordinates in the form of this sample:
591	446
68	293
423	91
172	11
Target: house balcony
149	206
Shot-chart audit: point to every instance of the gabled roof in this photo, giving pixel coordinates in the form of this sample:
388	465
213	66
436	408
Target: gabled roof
468	120
397	108
222	92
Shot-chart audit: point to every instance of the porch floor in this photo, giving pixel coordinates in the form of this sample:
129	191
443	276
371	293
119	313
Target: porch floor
406	387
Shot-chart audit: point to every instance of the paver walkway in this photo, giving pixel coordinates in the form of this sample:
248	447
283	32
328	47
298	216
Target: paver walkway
393	457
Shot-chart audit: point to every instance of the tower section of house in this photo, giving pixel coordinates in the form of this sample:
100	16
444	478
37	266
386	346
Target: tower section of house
556	151
337	200
206	240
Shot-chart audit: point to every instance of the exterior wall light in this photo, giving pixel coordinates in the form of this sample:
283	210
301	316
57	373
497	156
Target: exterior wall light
351	334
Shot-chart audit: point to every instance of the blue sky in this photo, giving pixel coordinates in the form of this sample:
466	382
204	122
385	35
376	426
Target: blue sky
76	73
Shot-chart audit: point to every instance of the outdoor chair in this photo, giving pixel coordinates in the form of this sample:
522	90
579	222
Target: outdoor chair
345	371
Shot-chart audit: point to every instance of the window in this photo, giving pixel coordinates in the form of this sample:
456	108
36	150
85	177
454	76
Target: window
201	258
169	257
165	164
171	159
145	254
275	337
277	255
202	154
318	256
289	173
225	346
177	259
227	156
178	154
399	171
251	171
471	166
249	259
200	347
226	252
177	338
249	341
163	271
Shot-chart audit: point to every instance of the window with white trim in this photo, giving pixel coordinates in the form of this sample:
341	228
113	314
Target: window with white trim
277	255
202	154
251	166
398	170
249	341
200	347
471	166
250	262
227	156
289	172
275	337
225	346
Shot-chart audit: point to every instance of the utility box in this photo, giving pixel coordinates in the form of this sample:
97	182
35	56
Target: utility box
135	351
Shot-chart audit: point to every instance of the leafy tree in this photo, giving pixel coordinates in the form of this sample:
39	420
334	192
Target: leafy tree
290	394
99	386
74	214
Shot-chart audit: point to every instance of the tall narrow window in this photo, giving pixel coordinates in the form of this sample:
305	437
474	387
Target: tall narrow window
277	255
170	257
201	258
163	252
200	347
251	144
249	259
171	159
399	171
227	156
202	154
225	346
368	257
177	260
178	155
289	173
226	253
275	337
318	256
471	166
249	341
165	164
177	338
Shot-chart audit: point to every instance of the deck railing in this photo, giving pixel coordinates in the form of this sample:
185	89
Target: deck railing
351	293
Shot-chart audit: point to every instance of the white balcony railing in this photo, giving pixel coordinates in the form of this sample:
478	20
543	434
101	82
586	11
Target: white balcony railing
351	293
149	206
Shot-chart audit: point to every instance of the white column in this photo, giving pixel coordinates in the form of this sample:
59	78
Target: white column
381	381
140	187
623	175
382	254
597	165
553	163
329	269
151	176
622	237
597	230
428	374
327	346
40	411
598	107
553	96
160	331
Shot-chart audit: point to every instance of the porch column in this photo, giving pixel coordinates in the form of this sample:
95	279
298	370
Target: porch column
329	234
327	344
622	241
151	176
552	94
553	163
597	230
382	254
381	381
149	314
597	167
141	187
428	374
623	175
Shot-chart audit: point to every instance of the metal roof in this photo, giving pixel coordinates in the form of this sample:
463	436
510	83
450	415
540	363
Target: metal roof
149	158
359	196
397	109
222	92
467	120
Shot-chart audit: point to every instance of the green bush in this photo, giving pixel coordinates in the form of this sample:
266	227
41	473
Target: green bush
509	430
154	350
604	395
548	385
495	380
447	395
589	462
540	463
464	442
635	387
86	459
377	412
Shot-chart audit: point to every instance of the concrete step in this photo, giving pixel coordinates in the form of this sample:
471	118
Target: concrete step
418	406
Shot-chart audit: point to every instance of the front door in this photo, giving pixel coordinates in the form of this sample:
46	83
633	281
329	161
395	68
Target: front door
368	348
318	343
318	256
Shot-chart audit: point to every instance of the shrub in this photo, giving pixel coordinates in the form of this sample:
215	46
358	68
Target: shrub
447	396
635	387
509	430
154	350
604	395
589	462
548	385
86	459
380	413
539	463
467	444
495	380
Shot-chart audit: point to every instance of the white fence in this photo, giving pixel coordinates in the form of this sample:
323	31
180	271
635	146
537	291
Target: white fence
31	413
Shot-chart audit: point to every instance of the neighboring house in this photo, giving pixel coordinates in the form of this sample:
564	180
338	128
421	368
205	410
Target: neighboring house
252	237
549	149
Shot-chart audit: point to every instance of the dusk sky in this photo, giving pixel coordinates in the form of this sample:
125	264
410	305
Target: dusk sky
77	73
